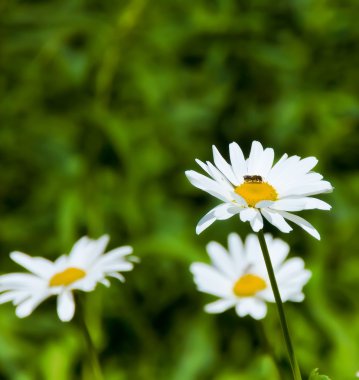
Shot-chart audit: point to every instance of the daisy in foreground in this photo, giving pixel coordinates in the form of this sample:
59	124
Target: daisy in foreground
239	276
254	187
82	269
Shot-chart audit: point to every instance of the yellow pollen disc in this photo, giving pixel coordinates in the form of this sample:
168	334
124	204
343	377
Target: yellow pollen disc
67	277
248	285
254	192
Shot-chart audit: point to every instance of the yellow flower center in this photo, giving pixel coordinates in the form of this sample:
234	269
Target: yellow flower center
67	277
254	191
248	285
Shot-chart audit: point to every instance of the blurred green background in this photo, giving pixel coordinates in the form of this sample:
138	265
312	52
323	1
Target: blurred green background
104	104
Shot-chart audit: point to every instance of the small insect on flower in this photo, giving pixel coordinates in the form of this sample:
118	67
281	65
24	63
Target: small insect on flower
82	269
253	178
239	276
255	188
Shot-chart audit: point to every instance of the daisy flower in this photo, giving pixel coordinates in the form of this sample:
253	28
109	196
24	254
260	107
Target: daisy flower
255	188
82	269
239	276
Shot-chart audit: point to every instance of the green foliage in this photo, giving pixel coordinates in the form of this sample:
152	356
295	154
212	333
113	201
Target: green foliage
315	375
104	104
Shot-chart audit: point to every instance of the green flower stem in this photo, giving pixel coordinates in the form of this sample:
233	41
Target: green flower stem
92	353
279	303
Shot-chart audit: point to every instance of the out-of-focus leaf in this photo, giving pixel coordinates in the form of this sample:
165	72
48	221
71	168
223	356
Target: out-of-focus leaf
316	376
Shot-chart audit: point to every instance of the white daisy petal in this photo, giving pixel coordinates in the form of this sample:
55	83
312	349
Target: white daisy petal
264	204
297	297
118	276
105	282
297	281
123	266
220	212
255	157
223	166
220	259
65	306
25	308
301	223
277	220
279	251
206	221
283	173
252	249
84	254
277	167
238	161
210	280
206	184
61	262
15	296
267	162
225	211
257	222
236	250
81	245
118	253
294	204
101	245
253	307
219	177
219	306
314	203
238	200
258	309
309	189
20	281
308	163
201	181
203	166
290	268
36	265
247	214
121	251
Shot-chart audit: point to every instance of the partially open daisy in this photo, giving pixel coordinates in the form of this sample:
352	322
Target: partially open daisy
254	187
239	276
82	269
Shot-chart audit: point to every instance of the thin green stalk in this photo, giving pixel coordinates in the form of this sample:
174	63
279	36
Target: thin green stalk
92	353
279	303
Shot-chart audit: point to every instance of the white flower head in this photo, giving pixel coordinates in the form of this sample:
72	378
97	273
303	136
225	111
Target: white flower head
82	269
255	188
239	276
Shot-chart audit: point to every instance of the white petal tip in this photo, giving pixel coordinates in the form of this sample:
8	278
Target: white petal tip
257	228
16	254
21	315
188	174
65	320
315	234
